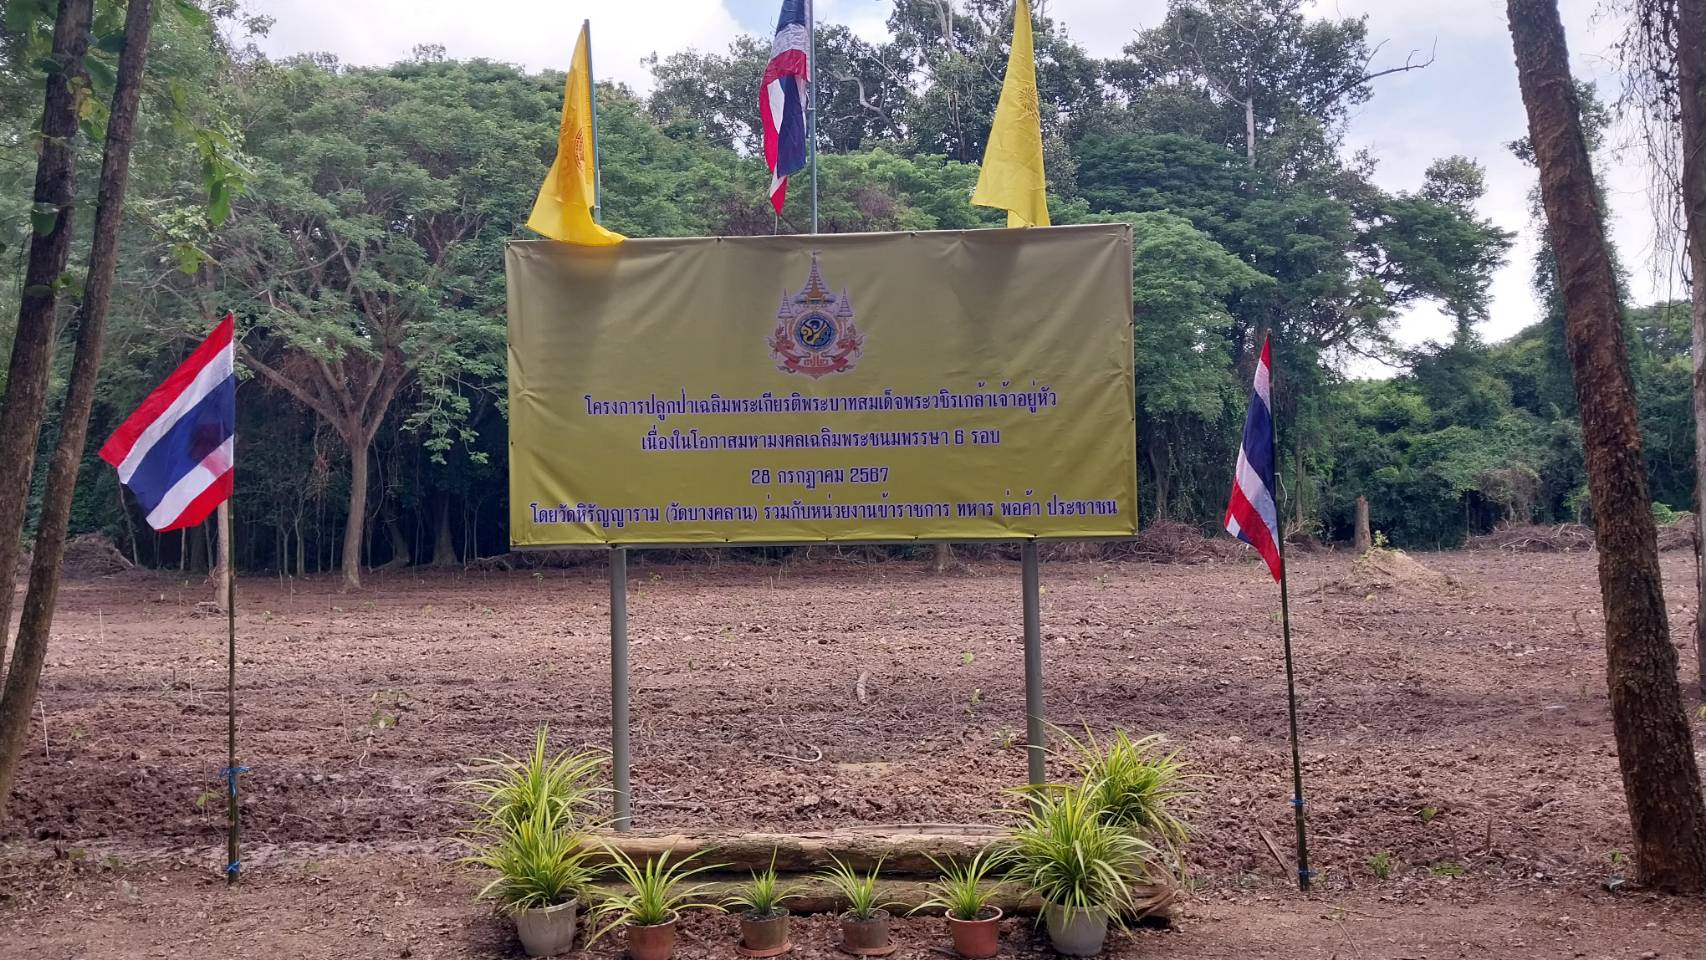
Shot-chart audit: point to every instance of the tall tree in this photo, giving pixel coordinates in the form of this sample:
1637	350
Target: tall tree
37	621
66	91
1661	781
368	256
1665	55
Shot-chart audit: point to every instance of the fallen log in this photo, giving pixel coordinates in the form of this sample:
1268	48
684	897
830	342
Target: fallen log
903	851
902	896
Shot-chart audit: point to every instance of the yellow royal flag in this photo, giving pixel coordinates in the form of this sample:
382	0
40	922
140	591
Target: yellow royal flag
1012	175
563	210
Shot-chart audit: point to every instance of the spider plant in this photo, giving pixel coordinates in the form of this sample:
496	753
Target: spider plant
763	896
1135	783
1067	852
965	889
538	864
657	890
513	788
858	889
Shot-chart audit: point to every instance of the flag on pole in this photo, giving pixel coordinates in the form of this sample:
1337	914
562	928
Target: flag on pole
175	453
563	209
1012	174
782	99
1251	516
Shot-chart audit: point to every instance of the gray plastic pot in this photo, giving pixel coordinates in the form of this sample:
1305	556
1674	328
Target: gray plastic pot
1076	933
548	931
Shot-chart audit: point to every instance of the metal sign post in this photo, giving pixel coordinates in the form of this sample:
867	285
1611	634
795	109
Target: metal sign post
619	749
1036	737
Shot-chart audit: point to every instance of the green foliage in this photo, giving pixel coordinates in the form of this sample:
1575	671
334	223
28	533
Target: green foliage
657	890
858	889
764	895
1135	783
965	888
514	790
1068	853
539	862
1380	864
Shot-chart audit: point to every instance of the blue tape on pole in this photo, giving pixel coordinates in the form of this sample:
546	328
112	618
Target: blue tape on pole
1296	802
234	866
231	777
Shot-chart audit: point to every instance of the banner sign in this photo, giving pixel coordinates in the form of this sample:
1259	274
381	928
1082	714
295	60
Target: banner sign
968	385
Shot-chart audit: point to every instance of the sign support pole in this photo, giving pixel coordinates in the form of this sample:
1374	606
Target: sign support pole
1036	737
619	750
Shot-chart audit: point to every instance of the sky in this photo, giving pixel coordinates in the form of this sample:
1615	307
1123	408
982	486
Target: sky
1466	102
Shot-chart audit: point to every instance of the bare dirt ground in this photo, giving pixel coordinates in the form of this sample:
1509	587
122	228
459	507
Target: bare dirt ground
1459	727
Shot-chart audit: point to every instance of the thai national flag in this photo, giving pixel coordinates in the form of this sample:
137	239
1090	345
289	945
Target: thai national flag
1251	515
175	451
782	99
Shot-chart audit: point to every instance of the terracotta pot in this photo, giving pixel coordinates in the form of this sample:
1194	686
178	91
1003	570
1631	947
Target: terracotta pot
764	935
656	942
547	931
977	939
1076	933
868	938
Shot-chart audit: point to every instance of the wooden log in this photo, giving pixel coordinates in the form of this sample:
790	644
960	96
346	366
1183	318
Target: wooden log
902	851
902	896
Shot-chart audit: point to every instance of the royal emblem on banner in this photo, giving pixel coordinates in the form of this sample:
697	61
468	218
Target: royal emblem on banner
814	332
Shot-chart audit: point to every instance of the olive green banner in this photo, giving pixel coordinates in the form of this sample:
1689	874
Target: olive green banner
968	385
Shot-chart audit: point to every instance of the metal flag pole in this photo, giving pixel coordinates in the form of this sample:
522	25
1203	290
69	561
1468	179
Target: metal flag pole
811	80
592	106
1303	871
233	858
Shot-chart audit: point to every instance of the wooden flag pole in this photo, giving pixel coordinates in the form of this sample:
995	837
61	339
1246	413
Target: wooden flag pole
1303	871
233	861
811	119
592	104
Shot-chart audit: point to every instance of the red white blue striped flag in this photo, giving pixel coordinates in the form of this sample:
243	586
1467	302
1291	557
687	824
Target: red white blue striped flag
782	99
175	453
1251	515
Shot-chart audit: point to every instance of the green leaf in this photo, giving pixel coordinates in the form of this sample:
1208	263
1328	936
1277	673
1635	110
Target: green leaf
218	200
192	14
102	74
69	283
189	257
49	66
111	43
43	218
21	15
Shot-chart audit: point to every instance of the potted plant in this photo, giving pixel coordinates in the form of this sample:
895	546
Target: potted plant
865	924
963	894
763	918
542	871
1079	863
657	893
511	788
1136	784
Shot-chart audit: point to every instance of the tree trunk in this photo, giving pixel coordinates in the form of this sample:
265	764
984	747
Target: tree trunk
1661	781
1250	131
32	342
1364	537
401	554
357	510
942	558
30	652
1691	99
1158	470
443	545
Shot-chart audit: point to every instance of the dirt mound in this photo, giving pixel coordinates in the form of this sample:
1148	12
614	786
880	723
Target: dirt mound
1170	541
90	555
1573	537
1381	570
